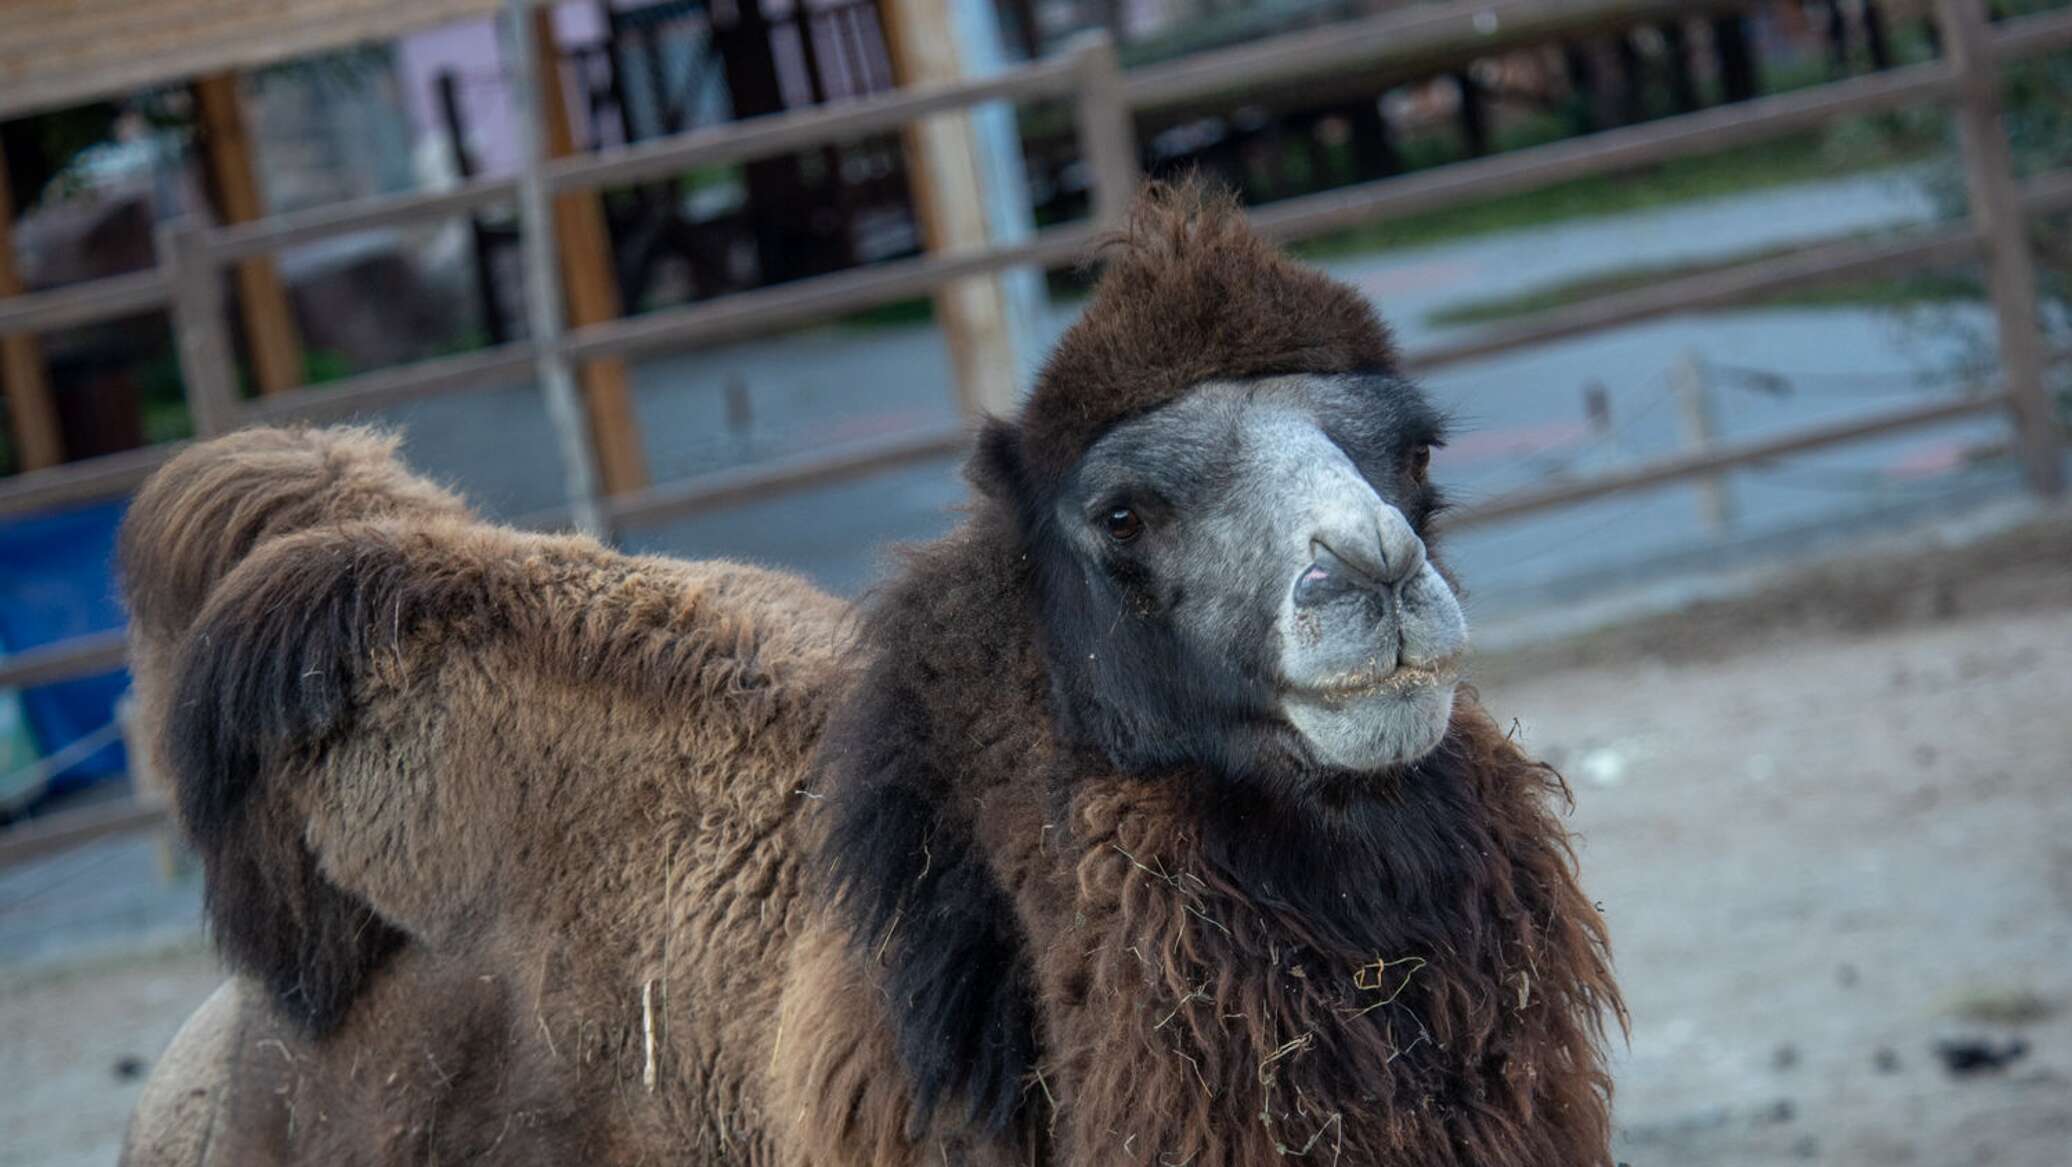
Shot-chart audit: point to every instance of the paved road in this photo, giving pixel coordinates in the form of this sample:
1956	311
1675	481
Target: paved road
1521	417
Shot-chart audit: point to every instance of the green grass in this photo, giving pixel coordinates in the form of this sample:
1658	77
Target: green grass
897	314
1928	287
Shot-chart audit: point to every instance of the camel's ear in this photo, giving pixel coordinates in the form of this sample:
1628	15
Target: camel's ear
996	465
928	916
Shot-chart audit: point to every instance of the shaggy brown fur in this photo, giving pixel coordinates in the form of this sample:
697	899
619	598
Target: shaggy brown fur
631	919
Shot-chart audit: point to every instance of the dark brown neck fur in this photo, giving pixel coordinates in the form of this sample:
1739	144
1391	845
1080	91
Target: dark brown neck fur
1411	978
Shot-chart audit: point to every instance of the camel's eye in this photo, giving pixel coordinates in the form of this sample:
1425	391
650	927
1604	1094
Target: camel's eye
1123	525
1420	462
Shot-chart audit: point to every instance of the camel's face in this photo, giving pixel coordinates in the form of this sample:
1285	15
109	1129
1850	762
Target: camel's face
1261	542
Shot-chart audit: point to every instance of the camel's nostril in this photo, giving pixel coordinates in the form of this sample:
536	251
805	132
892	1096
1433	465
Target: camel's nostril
1331	577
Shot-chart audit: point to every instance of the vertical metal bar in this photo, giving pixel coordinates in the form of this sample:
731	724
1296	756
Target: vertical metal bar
1701	433
1107	132
1996	208
542	278
208	375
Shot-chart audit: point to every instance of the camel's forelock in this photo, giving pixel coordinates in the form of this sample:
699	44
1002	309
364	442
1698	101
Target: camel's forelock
1190	292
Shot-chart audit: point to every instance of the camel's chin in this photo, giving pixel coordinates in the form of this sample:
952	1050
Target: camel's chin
1381	728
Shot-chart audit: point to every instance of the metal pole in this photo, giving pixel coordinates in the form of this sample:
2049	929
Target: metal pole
208	374
1701	436
1107	132
542	282
1996	207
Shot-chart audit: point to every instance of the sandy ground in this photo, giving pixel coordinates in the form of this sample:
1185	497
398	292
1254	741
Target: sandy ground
76	1041
1821	861
1830	821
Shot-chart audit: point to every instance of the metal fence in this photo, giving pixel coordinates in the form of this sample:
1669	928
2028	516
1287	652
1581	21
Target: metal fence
189	283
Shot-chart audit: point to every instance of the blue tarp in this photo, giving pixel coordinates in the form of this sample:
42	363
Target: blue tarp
57	581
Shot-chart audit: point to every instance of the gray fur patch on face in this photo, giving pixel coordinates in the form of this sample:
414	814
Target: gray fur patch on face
1270	550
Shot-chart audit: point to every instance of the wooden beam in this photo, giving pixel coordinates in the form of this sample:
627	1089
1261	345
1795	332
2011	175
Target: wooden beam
949	200
71	55
38	441
588	283
276	345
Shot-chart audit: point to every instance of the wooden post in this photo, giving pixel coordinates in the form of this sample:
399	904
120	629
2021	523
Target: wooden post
39	442
208	376
588	280
949	200
542	288
1996	208
1701	434
227	145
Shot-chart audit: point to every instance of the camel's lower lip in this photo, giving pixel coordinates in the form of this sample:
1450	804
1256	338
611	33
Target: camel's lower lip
1402	679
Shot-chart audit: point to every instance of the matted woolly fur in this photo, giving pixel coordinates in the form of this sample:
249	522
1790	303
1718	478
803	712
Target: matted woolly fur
527	851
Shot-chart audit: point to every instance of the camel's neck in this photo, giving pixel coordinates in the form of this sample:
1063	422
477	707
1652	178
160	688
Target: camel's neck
1186	974
1428	993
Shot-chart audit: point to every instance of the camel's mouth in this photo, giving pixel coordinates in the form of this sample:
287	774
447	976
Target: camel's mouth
1403	679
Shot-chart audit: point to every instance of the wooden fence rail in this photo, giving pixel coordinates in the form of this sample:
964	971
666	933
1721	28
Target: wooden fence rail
192	257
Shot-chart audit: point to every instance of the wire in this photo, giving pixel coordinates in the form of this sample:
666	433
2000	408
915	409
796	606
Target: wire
1775	383
1843	480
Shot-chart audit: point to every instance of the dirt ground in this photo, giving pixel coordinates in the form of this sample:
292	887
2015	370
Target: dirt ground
1830	821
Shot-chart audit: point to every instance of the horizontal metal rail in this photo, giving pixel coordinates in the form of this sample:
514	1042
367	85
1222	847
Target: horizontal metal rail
81	656
2026	37
774	477
787	305
383	388
1812	267
801	129
751	138
93	480
1686	135
1668	471
89	302
68	829
379	212
1406	38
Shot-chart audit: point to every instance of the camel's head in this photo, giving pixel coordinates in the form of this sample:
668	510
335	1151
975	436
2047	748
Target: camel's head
1222	483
